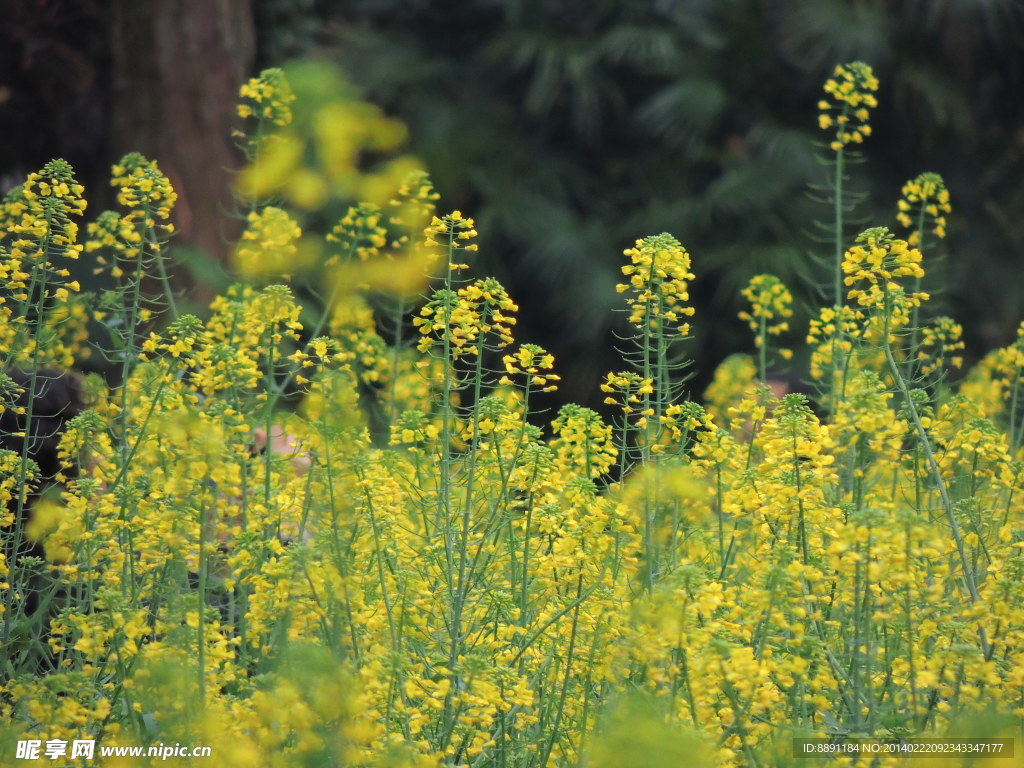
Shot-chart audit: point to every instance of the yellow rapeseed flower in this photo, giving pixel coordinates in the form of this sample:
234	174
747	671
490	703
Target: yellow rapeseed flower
851	97
659	275
924	198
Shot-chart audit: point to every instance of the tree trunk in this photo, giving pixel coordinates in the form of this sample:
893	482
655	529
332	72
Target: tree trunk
177	67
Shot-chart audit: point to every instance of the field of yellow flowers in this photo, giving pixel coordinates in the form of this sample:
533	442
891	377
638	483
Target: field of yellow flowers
330	532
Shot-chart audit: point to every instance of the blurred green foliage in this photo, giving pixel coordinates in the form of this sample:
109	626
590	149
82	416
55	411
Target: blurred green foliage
636	731
569	129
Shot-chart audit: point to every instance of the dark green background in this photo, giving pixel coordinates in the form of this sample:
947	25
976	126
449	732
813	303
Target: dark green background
569	129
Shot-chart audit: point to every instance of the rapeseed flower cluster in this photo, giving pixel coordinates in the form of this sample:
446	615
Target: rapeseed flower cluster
832	335
464	319
48	200
659	275
533	363
770	307
734	377
42	320
924	198
412	207
630	389
359	234
269	245
352	327
941	345
452	232
770	300
267	97
144	190
851	91
265	107
329	146
873	266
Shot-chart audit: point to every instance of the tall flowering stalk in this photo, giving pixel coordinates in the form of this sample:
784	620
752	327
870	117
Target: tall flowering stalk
408	213
873	268
40	234
924	201
459	320
130	246
437	323
265	106
148	198
657	293
770	308
844	113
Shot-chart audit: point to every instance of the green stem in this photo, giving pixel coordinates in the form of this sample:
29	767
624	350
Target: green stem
203	575
158	257
569	657
26	441
462	582
396	350
837	294
933	465
128	351
126	462
840	239
762	350
914	315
